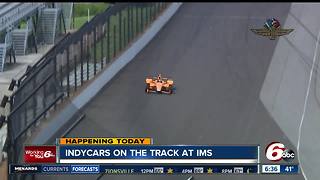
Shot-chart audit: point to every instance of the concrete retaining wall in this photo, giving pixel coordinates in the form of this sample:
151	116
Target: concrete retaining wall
286	84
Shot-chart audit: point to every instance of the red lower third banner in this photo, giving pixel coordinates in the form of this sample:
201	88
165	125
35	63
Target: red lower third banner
40	154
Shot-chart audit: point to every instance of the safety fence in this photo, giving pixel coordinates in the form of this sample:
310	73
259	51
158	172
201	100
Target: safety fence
73	61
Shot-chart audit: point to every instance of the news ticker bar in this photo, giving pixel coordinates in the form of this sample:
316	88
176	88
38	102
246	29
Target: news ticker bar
153	169
157	161
132	169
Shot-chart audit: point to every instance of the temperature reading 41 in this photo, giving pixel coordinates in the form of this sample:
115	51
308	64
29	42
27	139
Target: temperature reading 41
289	169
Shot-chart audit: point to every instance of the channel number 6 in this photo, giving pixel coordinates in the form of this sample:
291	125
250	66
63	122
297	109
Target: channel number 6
274	151
48	154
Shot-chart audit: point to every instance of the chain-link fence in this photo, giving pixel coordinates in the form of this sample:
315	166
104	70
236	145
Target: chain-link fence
74	60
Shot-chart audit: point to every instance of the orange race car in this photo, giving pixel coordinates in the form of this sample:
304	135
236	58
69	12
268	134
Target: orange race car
159	85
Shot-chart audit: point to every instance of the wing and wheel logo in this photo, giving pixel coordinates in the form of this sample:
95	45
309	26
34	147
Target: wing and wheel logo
272	29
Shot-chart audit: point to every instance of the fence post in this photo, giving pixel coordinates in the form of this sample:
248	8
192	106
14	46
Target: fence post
61	77
141	20
146	17
25	113
44	99
81	60
94	51
150	14
114	41
158	7
88	56
108	41
61	81
15	156
128	24
120	30
154	6
137	21
75	73
101	49
68	71
55	78
34	100
131	29
124	33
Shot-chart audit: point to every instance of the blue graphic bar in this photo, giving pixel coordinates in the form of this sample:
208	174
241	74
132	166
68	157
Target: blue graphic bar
289	169
158	154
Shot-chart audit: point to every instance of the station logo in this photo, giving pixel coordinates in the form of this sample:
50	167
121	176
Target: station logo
40	154
277	151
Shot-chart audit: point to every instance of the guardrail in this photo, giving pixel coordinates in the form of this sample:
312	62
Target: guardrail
70	64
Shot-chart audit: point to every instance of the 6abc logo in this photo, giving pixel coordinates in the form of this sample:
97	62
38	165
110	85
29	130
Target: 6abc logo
277	151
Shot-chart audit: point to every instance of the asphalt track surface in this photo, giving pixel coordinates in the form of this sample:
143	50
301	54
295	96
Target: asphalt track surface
218	66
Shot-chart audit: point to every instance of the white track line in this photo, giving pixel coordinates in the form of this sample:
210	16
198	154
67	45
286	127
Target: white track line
306	101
